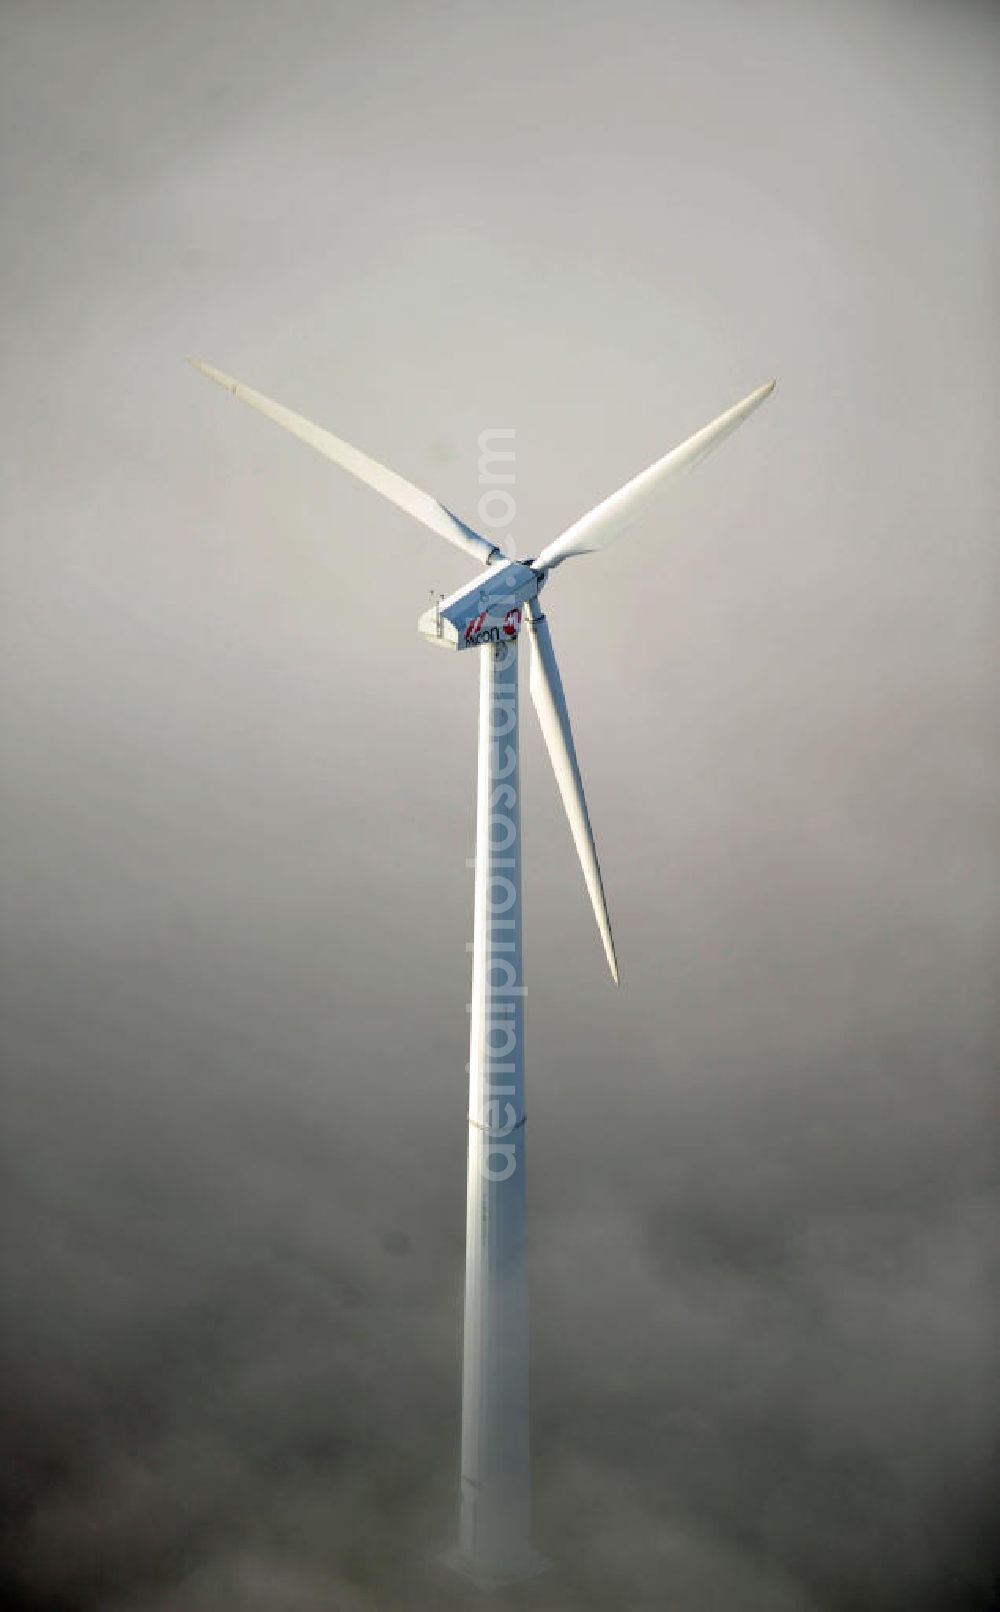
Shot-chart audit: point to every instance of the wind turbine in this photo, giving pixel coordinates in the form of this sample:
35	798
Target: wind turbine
494	1543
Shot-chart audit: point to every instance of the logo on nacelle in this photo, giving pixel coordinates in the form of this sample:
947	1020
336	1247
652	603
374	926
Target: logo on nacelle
473	630
477	632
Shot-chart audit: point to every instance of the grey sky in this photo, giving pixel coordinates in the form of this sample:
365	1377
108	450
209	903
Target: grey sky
238	794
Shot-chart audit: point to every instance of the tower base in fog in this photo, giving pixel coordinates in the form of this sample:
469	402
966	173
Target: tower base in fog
495	1576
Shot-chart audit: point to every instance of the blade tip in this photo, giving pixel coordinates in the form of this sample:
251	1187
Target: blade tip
217	375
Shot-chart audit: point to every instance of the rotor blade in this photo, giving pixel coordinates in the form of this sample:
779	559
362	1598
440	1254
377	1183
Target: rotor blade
402	493
550	703
609	519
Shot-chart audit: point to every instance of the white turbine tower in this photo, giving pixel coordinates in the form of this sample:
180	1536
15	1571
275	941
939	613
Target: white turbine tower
494	1544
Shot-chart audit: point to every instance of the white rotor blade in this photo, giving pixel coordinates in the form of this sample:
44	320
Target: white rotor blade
550	703
402	493
609	519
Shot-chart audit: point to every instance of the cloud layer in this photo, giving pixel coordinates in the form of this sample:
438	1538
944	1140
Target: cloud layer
237	796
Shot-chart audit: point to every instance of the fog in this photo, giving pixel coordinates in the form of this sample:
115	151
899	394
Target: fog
237	797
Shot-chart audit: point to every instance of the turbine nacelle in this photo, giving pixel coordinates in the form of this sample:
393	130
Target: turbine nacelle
488	610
